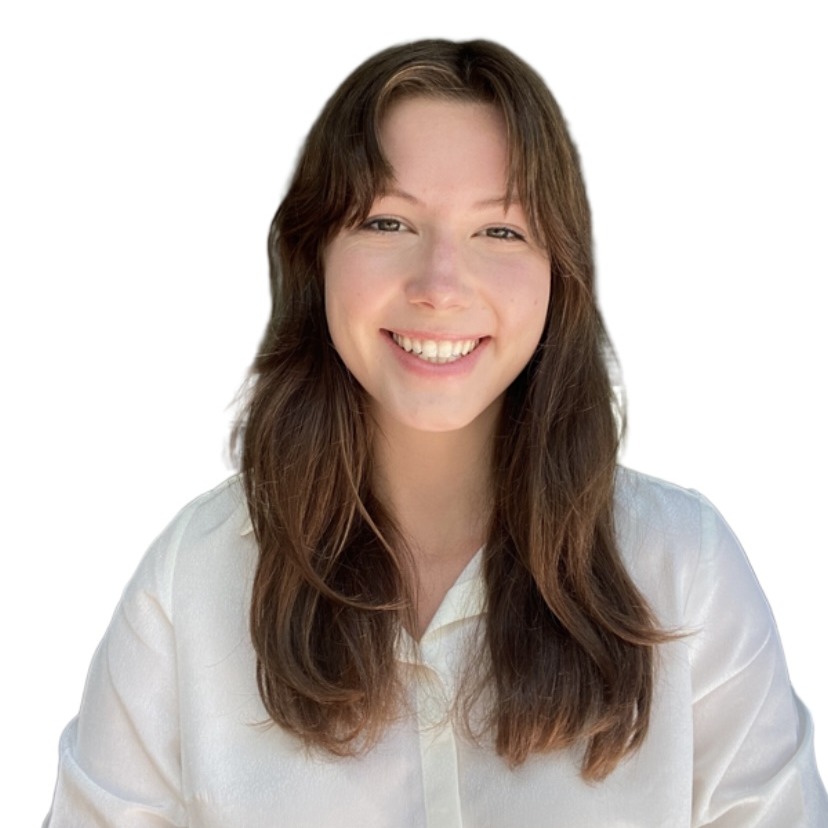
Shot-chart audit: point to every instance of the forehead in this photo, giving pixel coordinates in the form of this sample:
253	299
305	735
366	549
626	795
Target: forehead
445	143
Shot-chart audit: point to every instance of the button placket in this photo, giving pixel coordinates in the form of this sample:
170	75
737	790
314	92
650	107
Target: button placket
438	749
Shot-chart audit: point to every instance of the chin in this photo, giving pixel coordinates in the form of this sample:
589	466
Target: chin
442	421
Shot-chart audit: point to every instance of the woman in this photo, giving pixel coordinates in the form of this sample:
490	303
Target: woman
431	597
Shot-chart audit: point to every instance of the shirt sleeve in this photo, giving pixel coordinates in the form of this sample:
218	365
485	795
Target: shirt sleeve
754	763
119	758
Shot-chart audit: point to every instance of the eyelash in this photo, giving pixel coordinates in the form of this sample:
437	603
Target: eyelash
504	234
373	225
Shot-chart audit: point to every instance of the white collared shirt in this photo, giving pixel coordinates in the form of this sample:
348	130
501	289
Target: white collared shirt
172	731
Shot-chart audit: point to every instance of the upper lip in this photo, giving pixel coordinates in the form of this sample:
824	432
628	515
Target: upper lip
436	336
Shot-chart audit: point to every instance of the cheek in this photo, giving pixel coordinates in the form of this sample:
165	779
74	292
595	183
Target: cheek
338	312
335	312
540	288
350	309
525	298
341	290
541	300
352	276
530	312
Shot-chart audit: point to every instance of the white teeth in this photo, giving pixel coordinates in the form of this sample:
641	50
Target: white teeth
437	351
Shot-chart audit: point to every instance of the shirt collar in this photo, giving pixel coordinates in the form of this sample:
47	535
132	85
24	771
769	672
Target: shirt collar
465	600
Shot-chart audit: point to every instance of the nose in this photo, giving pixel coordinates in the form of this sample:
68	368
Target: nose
440	277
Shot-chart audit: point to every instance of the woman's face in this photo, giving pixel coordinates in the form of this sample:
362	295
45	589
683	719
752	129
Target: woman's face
438	300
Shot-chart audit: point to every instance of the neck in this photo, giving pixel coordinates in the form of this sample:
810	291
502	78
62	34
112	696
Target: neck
437	486
434	475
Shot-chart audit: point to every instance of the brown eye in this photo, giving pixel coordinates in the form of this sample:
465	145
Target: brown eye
505	233
384	225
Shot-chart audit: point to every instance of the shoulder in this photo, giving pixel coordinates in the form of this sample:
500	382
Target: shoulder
221	509
642	498
655	512
206	540
657	523
679	548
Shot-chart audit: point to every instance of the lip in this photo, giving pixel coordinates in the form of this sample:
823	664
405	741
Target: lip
412	363
436	335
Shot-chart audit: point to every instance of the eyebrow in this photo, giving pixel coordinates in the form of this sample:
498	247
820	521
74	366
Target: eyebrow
496	201
394	192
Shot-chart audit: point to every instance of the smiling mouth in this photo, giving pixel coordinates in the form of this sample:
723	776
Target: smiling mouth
436	351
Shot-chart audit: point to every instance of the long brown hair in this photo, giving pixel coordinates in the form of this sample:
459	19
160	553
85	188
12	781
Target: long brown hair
570	639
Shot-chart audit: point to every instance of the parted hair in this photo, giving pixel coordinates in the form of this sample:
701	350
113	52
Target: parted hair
568	646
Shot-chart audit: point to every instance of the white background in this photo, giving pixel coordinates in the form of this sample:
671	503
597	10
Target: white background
144	150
